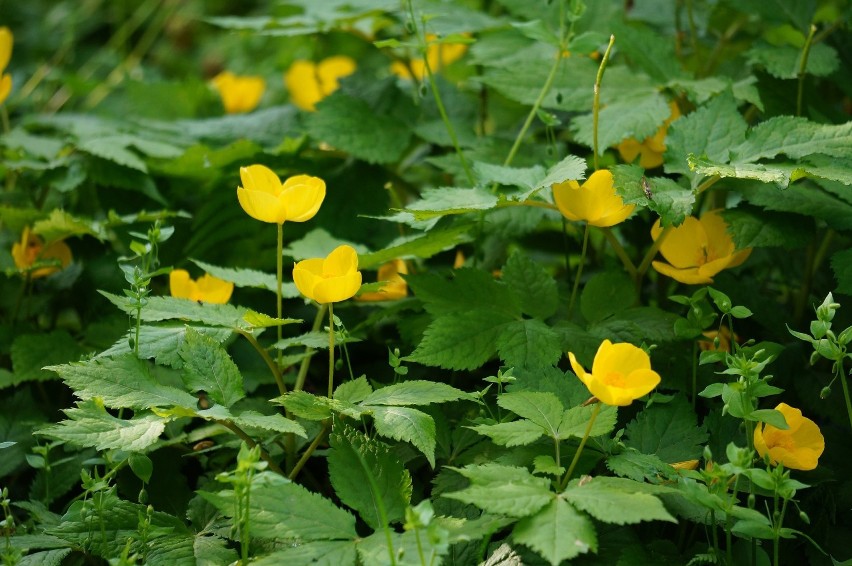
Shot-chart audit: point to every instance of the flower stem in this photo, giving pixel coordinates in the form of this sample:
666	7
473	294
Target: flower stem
695	374
309	352
270	363
564	482
597	101
652	252
330	349
619	251
839	373
803	65
279	270
309	451
579	271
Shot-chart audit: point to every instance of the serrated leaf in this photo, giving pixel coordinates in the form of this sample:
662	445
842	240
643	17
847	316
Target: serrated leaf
557	532
523	177
319	243
122	381
406	424
451	200
363	472
637	116
616	500
756	171
543	409
575	421
469	289
115	149
316	408
420	245
31	352
669	431
248	278
461	340
416	393
606	293
514	433
529	343
320	553
275	423
637	325
171	308
353	391
783	61
60	225
208	367
636	466
504	490
89	425
163	341
798	199
795	137
531	283
841	264
571	168
755	228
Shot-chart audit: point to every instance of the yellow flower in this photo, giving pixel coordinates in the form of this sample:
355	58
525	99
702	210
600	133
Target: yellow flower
207	288
685	465
395	287
651	149
698	249
239	93
331	279
621	373
310	82
799	447
264	198
6	40
31	249
438	55
594	201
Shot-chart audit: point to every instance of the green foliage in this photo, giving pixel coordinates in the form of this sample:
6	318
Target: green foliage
668	431
89	425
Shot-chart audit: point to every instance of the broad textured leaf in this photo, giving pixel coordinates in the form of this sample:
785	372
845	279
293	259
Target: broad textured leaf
469	289
637	116
557	532
275	423
416	393
543	409
320	553
19	414
60	225
576	419
505	490
571	168
353	391
451	200
89	425
208	367
795	137
355	464
461	340
532	284
420	245
529	343
514	433
523	177
607	293
669	431
44	558
406	424
637	325
617	500
783	61
31	352
754	228
170	308
248	278
318	243
797	12
115	149
668	199
316	408
841	264
757	171
163	341
637	466
121	381
806	200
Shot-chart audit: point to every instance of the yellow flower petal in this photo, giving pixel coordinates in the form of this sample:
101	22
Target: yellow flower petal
208	289
264	198
5	87
262	206
239	93
336	289
341	261
303	196
395	287
308	82
180	284
621	358
260	178
621	373
687	275
629	149
685	245
331	70
329	280
31	250
6	41
595	201
798	447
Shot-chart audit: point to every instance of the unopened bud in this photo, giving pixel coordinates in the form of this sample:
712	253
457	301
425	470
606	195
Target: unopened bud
825	392
804	517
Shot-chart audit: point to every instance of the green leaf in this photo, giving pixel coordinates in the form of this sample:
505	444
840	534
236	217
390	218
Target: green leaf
122	382
523	177
637	325
19	414
575	420
798	199
115	149
461	340
532	284
668	199
468	290
757	171
316	408
543	409
349	124
320	553
636	116
208	367
60	225
420	245
797	12
606	293
141	465
163	341
364	472
841	264
353	391
557	532
444	201
171	308
670	431
529	343
783	61
248	278
637	466
318	243
616	500
31	352
407	424
416	393
571	168
755	228
770	417
643	47
89	425
275	423
795	137
515	433
504	490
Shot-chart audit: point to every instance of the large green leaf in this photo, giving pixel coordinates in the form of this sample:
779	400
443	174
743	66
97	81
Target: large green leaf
163	341
532	284
557	532
637	116
461	340
795	137
407	424
89	425
31	352
616	500
420	245
575	421
783	61
529	343
505	490
468	289
841	263
208	367
514	433
365	474
607	293
755	228
670	431
415	393
319	553
543	409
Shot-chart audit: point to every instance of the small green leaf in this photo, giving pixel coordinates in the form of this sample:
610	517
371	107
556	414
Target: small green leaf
142	466
515	433
461	340
208	367
505	490
543	409
353	391
617	500
557	532
89	425
770	417
529	343
575	421
406	424
670	431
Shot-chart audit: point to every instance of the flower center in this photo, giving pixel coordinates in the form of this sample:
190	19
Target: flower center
777	439
614	379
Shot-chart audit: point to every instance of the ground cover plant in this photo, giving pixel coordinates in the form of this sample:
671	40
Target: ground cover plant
425	282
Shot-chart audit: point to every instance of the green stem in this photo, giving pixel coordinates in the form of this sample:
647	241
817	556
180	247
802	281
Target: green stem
619	251
564	483
776	542
419	547
694	374
309	352
803	65
251	443
707	184
380	505
279	271
839	373
579	271
330	349
597	101
270	363
309	451
729	523
652	252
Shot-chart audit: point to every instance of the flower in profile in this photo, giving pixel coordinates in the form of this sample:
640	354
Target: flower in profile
395	287
310	82
621	373
6	40
595	201
31	251
207	288
799	447
239	93
265	198
438	54
331	279
651	149
698	249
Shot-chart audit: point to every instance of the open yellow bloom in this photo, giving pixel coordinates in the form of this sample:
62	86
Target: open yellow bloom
207	288
438	55
6	40
396	288
799	447
239	93
698	249
310	82
621	373
594	201
651	149
265	198
331	279
31	249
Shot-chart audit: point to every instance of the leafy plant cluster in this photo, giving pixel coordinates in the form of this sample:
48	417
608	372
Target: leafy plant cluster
548	202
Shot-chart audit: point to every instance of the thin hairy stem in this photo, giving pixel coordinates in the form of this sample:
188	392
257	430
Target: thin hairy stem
567	478
579	271
803	66
270	363
597	100
251	443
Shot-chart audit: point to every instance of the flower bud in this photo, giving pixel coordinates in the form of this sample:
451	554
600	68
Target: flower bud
804	517
825	392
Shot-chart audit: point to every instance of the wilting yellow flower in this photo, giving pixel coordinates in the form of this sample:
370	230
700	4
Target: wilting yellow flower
621	373
799	447
6	40
265	198
724	336
395	287
239	93
31	249
310	82
685	465
331	279
207	288
438	55
698	249
594	201
651	149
